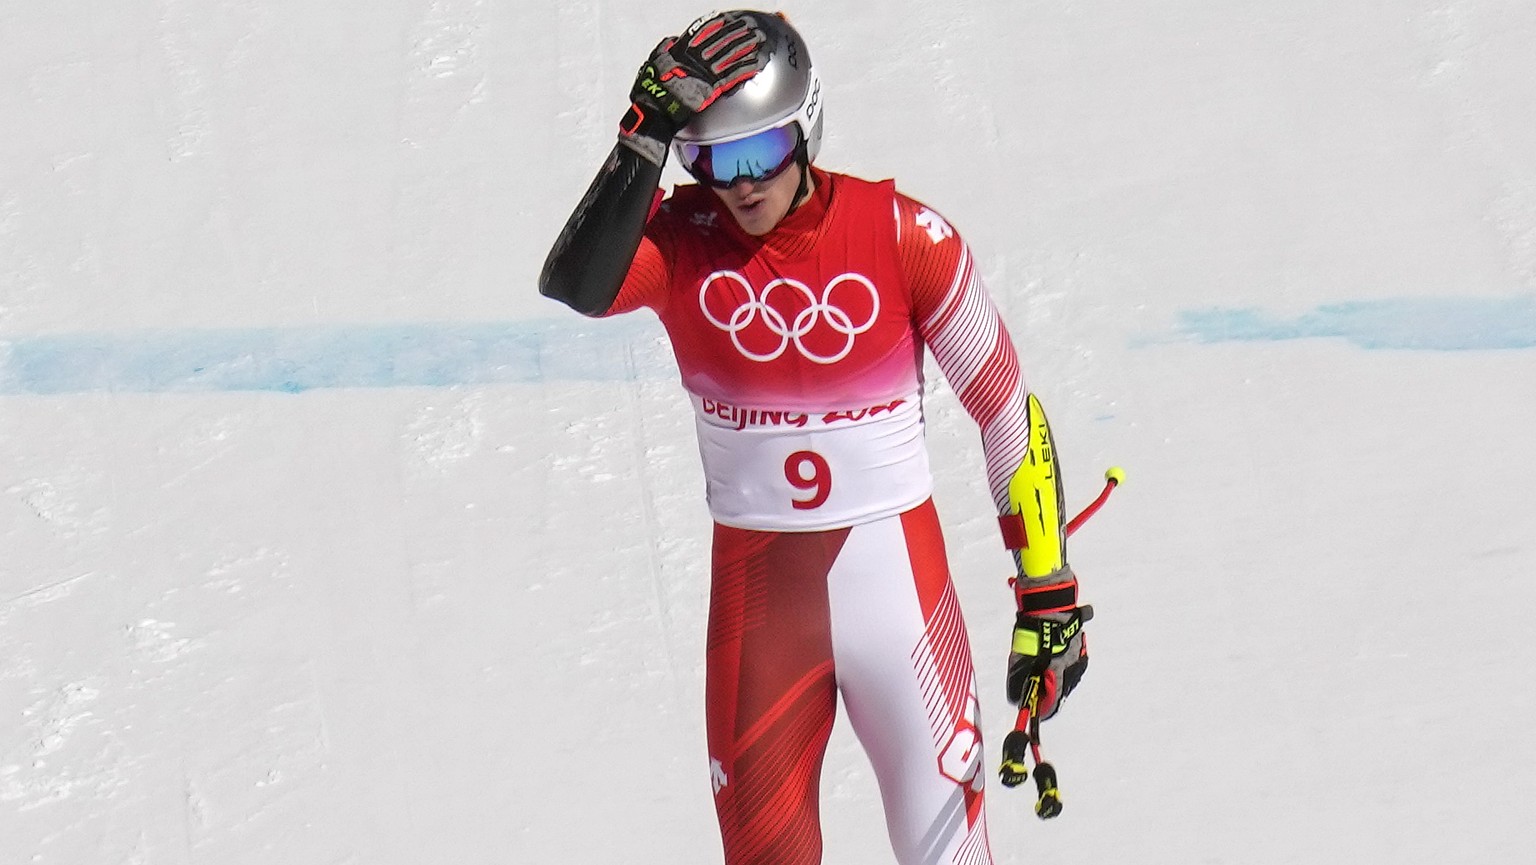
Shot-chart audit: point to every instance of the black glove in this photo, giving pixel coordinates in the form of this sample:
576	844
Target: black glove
686	73
1049	654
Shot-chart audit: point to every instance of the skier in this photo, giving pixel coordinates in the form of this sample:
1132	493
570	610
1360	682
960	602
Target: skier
798	302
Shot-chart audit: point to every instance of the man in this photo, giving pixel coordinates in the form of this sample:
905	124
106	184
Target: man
798	303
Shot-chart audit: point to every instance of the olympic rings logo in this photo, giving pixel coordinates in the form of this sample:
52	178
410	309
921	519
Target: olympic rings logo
758	320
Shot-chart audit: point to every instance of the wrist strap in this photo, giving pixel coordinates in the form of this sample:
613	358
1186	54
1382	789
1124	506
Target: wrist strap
1052	598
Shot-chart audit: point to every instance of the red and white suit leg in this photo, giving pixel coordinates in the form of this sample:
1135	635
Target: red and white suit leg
770	692
869	611
905	672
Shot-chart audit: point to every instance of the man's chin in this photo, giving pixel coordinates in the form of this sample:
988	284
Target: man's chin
755	222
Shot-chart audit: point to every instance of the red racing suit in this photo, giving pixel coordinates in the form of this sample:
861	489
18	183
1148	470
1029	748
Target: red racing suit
802	354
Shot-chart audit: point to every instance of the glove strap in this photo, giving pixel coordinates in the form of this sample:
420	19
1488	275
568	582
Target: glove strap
1038	600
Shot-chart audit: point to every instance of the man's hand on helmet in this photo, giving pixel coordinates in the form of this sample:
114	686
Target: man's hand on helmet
684	74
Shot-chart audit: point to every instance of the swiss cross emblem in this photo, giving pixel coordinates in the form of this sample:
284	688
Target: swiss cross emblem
934	224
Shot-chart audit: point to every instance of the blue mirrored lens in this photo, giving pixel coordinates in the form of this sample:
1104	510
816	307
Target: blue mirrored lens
756	157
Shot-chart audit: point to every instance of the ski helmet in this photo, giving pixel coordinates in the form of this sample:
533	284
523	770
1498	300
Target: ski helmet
785	92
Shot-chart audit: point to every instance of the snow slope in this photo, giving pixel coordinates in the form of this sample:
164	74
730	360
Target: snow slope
324	539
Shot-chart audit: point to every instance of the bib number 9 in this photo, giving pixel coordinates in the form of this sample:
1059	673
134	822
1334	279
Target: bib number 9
808	471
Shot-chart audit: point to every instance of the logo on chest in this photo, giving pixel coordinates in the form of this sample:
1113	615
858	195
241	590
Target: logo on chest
821	325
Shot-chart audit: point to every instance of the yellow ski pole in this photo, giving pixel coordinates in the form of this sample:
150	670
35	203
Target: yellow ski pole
1023	742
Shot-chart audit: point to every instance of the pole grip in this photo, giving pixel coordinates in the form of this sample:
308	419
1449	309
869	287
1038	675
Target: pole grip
1015	758
1048	805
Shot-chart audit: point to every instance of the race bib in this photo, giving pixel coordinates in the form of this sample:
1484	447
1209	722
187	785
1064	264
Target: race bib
807	471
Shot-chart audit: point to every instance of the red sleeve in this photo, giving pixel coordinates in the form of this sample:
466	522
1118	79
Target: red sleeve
931	252
960	324
645	284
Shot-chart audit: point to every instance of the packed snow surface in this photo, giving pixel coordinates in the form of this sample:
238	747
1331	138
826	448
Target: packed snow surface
325	539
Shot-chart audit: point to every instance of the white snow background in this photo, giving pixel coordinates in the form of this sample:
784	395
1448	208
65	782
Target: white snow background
325	539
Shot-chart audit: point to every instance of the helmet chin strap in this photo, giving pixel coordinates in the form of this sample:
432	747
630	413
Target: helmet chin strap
802	193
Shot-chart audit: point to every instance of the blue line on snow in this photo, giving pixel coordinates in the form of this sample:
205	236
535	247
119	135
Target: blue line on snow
293	360
298	359
1425	324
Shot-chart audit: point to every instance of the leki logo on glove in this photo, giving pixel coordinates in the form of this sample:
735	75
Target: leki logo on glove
822	327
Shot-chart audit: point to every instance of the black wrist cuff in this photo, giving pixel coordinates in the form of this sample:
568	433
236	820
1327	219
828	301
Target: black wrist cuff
1056	598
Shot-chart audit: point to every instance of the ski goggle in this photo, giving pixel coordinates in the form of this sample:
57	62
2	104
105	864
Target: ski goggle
758	157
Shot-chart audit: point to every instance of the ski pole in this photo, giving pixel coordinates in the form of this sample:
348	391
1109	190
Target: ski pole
1023	742
1112	479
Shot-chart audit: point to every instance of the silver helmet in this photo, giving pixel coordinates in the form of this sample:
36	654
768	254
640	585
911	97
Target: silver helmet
786	90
